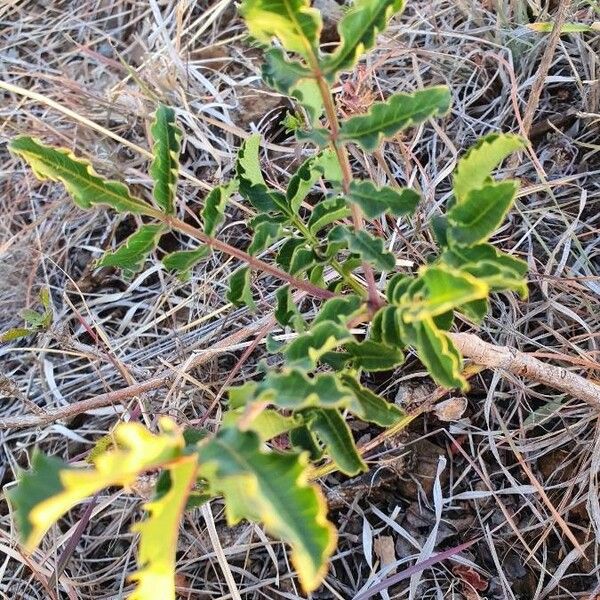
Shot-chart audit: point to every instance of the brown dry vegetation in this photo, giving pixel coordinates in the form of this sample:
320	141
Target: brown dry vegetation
518	470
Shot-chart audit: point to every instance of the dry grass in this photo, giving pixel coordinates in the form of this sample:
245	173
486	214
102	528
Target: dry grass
108	63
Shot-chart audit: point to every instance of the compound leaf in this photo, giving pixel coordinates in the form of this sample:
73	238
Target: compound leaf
475	167
476	218
131	255
272	487
265	233
358	31
159	533
85	186
51	487
438	353
376	201
332	430
295	256
286	311
166	147
293	22
386	119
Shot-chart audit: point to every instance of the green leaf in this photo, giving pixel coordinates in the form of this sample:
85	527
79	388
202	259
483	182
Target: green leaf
291	78
273	488
374	408
374	356
131	255
319	136
548	27
444	289
475	167
51	488
327	212
252	185
305	351
240	290
358	32
368	247
439	355
476	218
386	327
397	286
16	333
286	311
338	309
461	256
165	165
182	261
333	431
265	233
267	424
302	438
376	201
308	174
214	207
85	186
293	22
295	256
386	119
475	310
32	317
159	534
497	277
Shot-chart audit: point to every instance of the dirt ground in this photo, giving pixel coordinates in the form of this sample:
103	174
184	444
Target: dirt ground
515	468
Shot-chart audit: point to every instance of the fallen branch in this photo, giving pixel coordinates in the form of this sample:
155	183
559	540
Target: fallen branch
527	366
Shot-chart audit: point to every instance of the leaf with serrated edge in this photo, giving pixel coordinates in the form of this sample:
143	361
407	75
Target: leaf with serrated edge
84	185
159	533
306	350
291	78
376	201
252	184
374	356
374	408
52	488
368	247
240	290
286	311
437	352
293	22
338	309
265	233
214	207
272	487
334	433
475	219
444	289
131	255
308	174
475	167
386	119
327	212
267	424
358	31
164	169
182	261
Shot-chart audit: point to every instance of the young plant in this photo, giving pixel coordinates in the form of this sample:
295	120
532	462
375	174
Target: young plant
321	253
